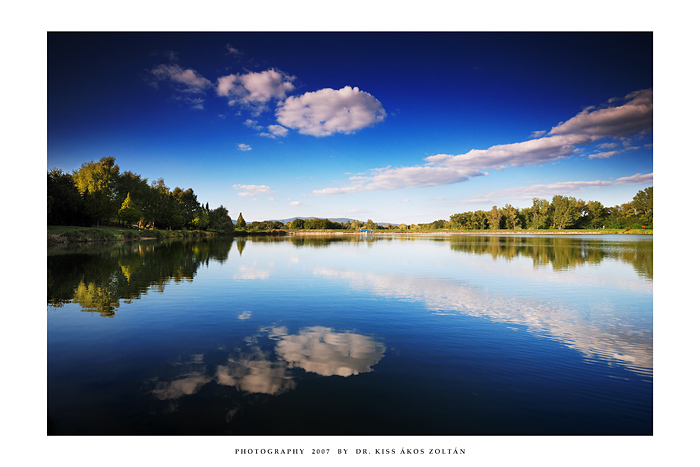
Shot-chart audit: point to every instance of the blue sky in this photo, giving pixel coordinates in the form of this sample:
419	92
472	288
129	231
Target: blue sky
393	127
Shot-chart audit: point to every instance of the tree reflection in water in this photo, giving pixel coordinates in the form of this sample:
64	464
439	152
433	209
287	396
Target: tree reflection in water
560	251
101	277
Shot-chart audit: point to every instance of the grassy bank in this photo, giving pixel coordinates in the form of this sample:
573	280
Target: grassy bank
57	234
63	234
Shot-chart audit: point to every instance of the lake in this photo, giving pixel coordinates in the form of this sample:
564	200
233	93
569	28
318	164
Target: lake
353	335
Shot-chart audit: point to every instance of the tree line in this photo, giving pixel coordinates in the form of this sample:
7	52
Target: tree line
562	212
98	194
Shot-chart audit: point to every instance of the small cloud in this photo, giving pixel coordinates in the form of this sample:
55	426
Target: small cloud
255	90
538	134
603	155
253	124
329	111
245	315
636	179
275	131
251	273
182	80
244	147
253	190
231	50
296	203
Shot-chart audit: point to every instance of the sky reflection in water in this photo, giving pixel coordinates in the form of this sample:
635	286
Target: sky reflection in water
266	317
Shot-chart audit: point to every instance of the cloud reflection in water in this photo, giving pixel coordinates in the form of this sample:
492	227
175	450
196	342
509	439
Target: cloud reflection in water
327	353
627	341
317	350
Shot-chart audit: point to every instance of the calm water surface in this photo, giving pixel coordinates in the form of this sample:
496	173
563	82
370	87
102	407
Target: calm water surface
353	335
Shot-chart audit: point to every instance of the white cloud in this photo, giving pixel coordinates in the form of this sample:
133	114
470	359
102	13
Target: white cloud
184	80
603	155
325	352
632	117
637	179
275	131
403	177
443	169
253	124
252	190
296	203
252	273
628	119
244	147
535	151
329	111
255	89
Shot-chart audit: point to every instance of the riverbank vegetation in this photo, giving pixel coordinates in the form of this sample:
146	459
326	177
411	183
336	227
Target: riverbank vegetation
98	194
101	204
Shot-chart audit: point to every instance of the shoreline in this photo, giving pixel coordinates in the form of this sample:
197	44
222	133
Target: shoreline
63	235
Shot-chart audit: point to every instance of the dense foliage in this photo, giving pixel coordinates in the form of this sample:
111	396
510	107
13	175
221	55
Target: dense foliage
97	193
562	213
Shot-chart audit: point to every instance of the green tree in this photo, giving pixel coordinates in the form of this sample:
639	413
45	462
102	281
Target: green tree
438	224
96	182
201	219
187	204
64	205
462	220
297	224
219	220
566	211
494	218
539	214
162	208
511	217
643	203
595	214
320	224
481	220
240	222
129	213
